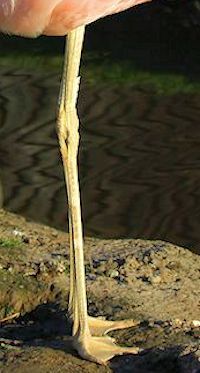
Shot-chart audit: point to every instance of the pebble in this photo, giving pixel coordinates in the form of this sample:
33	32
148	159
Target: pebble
91	277
25	239
16	232
177	323
159	322
121	278
61	267
54	234
156	280
196	323
113	273
96	263
42	267
120	261
30	273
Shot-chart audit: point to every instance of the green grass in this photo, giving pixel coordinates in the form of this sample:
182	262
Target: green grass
100	70
30	62
126	74
9	243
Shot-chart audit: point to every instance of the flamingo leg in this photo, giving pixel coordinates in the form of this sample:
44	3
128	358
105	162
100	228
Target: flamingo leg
88	332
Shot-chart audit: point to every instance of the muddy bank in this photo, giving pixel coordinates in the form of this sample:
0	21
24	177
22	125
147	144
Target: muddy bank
153	282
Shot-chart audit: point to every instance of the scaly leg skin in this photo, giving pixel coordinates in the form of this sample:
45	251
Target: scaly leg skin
99	348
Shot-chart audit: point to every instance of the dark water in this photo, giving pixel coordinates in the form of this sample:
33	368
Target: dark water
139	159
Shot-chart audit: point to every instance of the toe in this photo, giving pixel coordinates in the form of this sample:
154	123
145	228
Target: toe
101	349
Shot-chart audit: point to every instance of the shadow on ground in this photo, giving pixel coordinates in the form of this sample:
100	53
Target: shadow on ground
40	340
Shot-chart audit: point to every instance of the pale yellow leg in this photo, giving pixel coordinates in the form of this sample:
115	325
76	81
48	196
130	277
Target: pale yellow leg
94	348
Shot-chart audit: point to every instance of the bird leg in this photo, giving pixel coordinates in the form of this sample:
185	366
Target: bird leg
94	348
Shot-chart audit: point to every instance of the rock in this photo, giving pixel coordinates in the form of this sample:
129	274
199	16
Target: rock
17	232
156	280
91	277
196	323
25	239
120	261
61	267
121	278
113	273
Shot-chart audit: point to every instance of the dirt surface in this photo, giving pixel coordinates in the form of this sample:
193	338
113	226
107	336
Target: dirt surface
154	282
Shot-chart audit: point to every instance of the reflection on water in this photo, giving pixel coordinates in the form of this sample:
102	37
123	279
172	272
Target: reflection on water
139	159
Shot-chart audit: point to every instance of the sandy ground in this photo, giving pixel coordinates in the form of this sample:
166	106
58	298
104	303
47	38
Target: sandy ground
154	282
